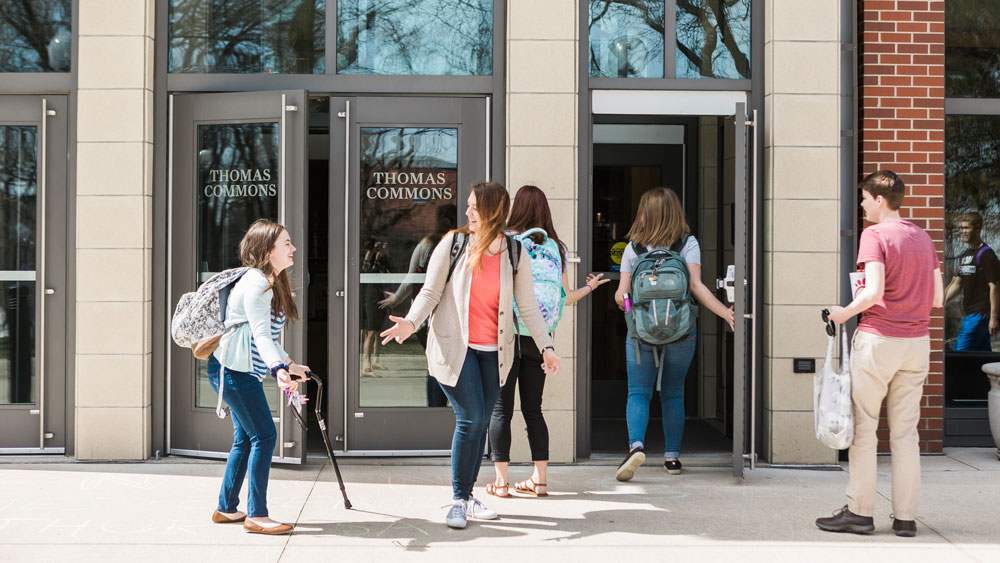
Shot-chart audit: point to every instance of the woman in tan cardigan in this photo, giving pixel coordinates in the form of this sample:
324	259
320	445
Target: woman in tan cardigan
470	344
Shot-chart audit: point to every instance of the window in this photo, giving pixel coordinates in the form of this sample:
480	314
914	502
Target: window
710	39
972	210
972	49
247	36
36	36
972	220
415	37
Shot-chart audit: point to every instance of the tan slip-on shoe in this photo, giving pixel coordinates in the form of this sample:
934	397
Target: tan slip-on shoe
223	518
255	528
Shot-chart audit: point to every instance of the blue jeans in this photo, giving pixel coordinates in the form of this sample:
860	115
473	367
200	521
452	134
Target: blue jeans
254	437
641	382
974	334
472	398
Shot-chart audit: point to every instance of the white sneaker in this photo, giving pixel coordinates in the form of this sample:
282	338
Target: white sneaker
456	515
479	511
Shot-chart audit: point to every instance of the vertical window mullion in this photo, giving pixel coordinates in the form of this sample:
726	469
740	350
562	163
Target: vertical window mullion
670	39
331	37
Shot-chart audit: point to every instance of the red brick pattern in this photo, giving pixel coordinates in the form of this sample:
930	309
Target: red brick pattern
901	91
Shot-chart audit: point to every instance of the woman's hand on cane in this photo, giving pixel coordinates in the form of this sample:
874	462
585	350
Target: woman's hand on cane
400	331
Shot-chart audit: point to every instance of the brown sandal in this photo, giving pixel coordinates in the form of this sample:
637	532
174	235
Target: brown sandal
492	488
530	487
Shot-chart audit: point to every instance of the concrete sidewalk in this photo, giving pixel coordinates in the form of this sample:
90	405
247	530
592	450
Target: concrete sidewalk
159	511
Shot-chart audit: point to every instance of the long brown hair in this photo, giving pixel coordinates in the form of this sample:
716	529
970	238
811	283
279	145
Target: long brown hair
255	252
660	219
493	205
530	210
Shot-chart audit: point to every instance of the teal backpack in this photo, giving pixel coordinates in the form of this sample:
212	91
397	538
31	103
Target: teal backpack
662	311
546	270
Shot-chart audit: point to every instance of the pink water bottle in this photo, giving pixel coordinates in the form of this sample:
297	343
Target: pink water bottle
627	298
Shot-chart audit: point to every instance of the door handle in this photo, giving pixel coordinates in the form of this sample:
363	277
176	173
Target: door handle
42	270
727	283
339	293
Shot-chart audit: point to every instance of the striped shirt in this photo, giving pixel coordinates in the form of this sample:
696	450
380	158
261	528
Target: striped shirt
260	369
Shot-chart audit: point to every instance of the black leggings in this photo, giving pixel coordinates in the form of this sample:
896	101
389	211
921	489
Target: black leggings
525	373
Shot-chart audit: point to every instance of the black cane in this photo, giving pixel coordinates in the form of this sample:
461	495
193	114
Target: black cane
326	437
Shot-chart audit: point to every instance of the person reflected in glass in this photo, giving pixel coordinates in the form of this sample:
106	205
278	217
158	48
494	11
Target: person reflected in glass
250	351
530	211
977	278
470	342
373	317
660	224
444	222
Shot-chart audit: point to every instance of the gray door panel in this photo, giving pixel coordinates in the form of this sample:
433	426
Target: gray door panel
236	157
33	254
741	342
407	164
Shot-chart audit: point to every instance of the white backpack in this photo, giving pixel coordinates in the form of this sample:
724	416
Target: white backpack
199	316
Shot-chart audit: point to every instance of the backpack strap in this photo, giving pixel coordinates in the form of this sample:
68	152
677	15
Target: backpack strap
514	251
679	243
458	243
979	254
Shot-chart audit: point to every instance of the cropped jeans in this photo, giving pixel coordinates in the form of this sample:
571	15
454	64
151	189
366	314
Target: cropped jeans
472	398
527	375
254	437
642	381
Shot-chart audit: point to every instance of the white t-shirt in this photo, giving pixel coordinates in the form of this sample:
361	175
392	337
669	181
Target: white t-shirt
690	252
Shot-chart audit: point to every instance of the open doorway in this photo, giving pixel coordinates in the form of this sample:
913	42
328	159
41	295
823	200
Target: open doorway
689	154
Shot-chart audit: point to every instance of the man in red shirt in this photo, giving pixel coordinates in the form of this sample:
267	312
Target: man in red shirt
890	355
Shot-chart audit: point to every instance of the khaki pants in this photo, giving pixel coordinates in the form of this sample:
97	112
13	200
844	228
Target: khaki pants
896	367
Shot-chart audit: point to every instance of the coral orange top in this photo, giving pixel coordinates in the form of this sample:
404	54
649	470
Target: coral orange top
484	303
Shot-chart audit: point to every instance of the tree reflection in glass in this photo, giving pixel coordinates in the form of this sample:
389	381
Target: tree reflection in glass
415	37
247	36
626	38
972	49
18	190
713	38
35	36
409	196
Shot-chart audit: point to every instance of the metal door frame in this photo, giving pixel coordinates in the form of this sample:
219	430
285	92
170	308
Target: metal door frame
289	109
49	114
472	117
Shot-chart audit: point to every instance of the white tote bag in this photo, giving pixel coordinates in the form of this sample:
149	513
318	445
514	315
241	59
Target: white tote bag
832	404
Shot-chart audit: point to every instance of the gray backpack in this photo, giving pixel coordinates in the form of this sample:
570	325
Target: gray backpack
662	310
198	319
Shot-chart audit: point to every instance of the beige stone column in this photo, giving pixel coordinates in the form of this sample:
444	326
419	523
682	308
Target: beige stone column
801	214
114	229
541	150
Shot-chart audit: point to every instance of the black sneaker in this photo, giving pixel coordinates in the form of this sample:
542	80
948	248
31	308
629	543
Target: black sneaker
636	456
904	528
844	520
673	466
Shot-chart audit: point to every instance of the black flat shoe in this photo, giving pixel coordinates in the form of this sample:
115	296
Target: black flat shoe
673	466
626	470
904	528
844	520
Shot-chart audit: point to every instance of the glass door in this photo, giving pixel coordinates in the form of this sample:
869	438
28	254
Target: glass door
236	158
400	175
32	274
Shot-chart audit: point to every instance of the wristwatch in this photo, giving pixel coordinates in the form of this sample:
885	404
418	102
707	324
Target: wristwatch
549	347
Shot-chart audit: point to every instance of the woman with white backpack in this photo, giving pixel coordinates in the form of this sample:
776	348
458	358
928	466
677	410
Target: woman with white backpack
660	226
531	222
249	352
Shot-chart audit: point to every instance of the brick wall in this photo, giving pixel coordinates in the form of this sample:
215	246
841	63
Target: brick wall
901	89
